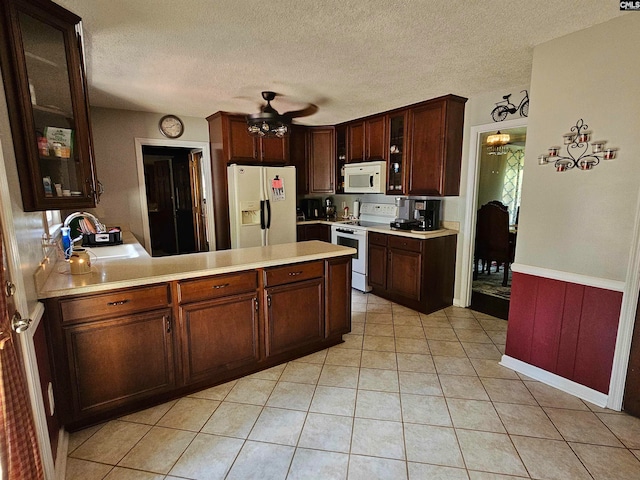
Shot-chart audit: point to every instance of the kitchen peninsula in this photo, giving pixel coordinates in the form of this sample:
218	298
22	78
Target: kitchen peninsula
138	331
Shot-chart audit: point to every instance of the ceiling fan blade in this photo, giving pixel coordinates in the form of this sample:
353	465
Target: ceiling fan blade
303	112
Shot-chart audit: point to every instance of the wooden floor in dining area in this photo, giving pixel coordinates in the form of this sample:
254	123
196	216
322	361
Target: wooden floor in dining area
406	396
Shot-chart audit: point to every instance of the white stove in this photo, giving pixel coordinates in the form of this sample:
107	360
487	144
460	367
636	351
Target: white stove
353	233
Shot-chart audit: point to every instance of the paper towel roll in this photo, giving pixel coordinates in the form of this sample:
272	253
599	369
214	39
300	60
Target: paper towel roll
356	209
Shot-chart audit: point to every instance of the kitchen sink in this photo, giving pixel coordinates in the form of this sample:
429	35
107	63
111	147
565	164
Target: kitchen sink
113	252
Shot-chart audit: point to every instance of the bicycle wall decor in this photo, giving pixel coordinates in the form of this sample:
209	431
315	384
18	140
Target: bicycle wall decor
505	107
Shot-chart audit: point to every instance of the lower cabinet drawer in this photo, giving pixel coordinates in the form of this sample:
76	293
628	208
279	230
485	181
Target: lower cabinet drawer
405	243
216	287
117	303
377	238
293	273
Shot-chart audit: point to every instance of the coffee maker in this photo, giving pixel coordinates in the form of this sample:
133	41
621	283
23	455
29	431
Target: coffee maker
427	212
405	211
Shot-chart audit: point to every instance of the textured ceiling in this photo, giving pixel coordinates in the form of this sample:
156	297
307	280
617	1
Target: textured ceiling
349	57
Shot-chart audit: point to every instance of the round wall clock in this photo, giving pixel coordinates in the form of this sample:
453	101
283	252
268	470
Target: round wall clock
171	126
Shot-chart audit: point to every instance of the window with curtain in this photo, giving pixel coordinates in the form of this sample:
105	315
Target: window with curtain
512	184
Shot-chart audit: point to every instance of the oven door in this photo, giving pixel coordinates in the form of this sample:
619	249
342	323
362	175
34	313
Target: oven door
355	238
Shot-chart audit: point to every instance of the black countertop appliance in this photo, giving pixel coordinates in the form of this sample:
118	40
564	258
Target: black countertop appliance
428	214
312	208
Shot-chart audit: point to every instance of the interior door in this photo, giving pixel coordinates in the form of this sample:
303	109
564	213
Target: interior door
19	453
197	202
631	400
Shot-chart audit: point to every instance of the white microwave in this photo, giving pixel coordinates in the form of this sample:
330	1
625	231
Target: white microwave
366	177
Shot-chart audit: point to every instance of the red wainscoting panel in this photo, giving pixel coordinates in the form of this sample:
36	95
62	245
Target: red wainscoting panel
567	329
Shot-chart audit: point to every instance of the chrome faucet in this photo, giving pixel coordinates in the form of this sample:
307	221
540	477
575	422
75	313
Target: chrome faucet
100	228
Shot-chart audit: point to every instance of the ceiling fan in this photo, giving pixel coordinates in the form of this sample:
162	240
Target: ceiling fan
269	123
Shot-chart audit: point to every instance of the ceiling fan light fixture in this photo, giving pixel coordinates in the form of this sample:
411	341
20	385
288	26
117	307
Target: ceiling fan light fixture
267	123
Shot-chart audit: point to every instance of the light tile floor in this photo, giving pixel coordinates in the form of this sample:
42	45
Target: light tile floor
406	396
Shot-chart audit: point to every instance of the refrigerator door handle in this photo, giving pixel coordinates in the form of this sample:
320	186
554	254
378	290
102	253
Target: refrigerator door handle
268	214
262	222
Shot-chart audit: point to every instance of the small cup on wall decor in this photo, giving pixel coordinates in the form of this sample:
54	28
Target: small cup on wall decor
568	138
543	159
553	151
598	146
610	153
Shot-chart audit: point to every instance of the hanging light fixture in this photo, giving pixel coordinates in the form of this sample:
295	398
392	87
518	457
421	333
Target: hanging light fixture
267	123
497	143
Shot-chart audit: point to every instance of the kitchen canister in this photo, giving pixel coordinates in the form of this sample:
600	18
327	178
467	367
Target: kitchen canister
79	262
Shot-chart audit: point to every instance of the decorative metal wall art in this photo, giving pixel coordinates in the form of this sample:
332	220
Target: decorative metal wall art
578	155
505	107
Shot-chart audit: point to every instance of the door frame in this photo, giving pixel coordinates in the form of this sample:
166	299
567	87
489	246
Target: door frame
473	179
206	179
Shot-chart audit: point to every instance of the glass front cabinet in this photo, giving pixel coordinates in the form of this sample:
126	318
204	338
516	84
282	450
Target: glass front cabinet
396	165
45	87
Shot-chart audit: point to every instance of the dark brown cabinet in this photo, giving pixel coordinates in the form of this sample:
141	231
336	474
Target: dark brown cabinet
127	349
397	164
314	231
413	272
435	147
355	142
298	157
43	73
240	147
112	350
294	298
321	160
337	301
395	265
219	321
120	360
367	140
375	136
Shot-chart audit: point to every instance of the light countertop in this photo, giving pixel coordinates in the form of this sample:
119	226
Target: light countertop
108	274
449	228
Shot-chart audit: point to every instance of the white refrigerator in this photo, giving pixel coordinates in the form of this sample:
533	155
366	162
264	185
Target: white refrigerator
262	205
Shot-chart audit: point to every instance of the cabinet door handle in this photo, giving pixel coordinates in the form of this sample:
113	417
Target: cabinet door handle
269	301
256	303
119	302
223	285
167	320
294	274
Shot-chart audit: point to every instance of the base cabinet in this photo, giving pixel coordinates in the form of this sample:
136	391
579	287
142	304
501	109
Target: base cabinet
416	273
295	316
118	361
124	350
219	336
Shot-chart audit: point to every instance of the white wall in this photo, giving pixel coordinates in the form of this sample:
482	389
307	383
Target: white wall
28	225
114	133
581	221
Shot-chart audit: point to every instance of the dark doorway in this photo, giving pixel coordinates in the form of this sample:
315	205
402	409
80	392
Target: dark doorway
174	200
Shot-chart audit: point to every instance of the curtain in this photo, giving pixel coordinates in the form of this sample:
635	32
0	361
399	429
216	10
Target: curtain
512	184
19	455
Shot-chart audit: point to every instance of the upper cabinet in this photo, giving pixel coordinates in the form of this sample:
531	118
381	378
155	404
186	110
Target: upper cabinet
375	139
367	140
435	147
240	147
322	164
397	126
45	88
